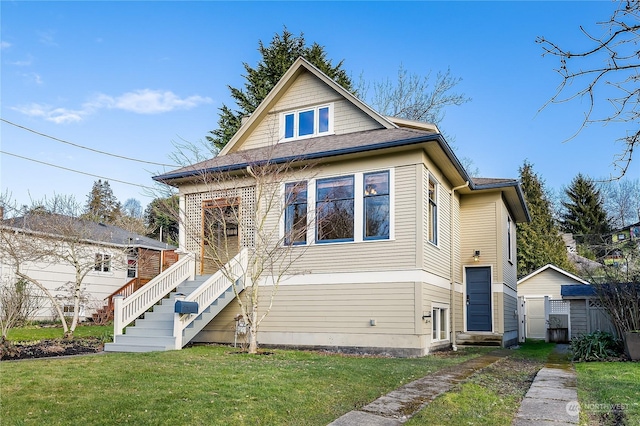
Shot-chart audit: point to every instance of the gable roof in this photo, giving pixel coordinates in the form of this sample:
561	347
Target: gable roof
91	232
299	66
395	133
554	268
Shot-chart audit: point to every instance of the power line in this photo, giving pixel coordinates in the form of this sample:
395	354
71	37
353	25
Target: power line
76	171
84	147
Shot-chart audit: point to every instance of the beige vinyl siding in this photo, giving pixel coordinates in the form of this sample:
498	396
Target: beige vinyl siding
510	306
546	283
478	230
498	320
507	271
308	91
459	311
436	256
330	308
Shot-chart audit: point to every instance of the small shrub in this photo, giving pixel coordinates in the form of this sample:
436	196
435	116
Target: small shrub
597	346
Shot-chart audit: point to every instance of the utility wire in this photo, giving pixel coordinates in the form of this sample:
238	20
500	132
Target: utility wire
84	147
76	171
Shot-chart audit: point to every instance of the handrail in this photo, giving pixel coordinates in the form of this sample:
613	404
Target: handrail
127	310
126	290
210	290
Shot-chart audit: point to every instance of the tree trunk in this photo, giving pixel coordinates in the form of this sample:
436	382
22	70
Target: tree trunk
253	331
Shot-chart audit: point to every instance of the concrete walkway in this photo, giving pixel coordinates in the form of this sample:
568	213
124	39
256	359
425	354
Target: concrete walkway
552	399
399	405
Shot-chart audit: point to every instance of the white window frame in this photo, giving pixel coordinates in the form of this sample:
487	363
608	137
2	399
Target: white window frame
358	208
509	239
296	124
433	222
436	316
102	263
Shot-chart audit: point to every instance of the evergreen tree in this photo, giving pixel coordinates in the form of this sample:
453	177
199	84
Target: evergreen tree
539	242
584	214
277	57
161	217
102	205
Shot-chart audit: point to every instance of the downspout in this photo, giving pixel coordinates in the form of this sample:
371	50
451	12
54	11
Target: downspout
452	290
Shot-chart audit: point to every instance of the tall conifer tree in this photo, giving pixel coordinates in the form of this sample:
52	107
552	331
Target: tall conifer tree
540	241
584	214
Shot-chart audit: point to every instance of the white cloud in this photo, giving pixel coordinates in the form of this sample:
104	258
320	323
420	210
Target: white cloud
56	115
144	101
33	77
4	45
155	101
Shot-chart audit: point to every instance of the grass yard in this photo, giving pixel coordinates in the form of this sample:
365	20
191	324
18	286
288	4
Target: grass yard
36	332
203	385
491	396
606	385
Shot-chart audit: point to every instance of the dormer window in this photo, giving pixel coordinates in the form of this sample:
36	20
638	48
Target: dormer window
307	123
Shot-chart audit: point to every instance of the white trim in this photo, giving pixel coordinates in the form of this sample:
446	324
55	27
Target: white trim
503	288
464	295
296	122
358	207
372	277
555	268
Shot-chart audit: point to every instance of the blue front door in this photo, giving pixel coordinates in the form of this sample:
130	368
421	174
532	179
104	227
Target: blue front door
479	299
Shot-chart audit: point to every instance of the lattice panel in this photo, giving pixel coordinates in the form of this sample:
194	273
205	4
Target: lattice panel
193	213
559	306
594	303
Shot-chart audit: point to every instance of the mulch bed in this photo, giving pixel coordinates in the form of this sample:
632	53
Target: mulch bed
49	348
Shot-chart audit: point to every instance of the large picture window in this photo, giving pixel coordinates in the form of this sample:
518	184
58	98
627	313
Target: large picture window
433	211
335	209
307	123
295	214
376	205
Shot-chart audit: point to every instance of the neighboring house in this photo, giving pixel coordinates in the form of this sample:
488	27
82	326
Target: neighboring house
543	284
624	251
115	259
439	266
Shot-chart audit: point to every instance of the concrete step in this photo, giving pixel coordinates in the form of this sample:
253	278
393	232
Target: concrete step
117	347
479	339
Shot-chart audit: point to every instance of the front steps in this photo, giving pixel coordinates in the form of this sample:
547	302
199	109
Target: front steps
154	331
479	338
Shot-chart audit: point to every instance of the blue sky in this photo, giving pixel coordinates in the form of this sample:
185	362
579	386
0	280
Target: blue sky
129	78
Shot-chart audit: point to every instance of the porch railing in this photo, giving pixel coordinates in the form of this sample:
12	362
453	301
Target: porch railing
128	309
231	274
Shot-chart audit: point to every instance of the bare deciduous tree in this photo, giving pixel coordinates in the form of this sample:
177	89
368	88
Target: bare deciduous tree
622	201
50	234
18	302
245	209
606	74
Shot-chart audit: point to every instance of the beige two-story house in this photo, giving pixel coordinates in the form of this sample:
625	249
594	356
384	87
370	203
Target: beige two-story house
397	249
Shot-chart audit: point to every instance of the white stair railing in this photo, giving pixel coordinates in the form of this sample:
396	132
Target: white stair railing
210	290
127	310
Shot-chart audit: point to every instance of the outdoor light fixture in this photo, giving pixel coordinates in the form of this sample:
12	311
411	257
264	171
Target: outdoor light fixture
476	255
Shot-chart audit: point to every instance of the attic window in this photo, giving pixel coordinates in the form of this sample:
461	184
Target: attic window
306	123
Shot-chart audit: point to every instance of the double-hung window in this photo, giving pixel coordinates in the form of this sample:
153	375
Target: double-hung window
433	211
102	263
309	122
335	209
376	205
295	214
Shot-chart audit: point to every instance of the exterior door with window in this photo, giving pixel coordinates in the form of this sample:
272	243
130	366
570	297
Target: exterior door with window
220	233
479	299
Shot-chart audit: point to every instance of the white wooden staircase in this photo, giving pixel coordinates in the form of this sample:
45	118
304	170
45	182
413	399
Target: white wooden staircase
155	326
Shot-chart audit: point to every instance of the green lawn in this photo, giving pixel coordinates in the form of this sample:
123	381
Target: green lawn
37	332
490	397
203	385
603	384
